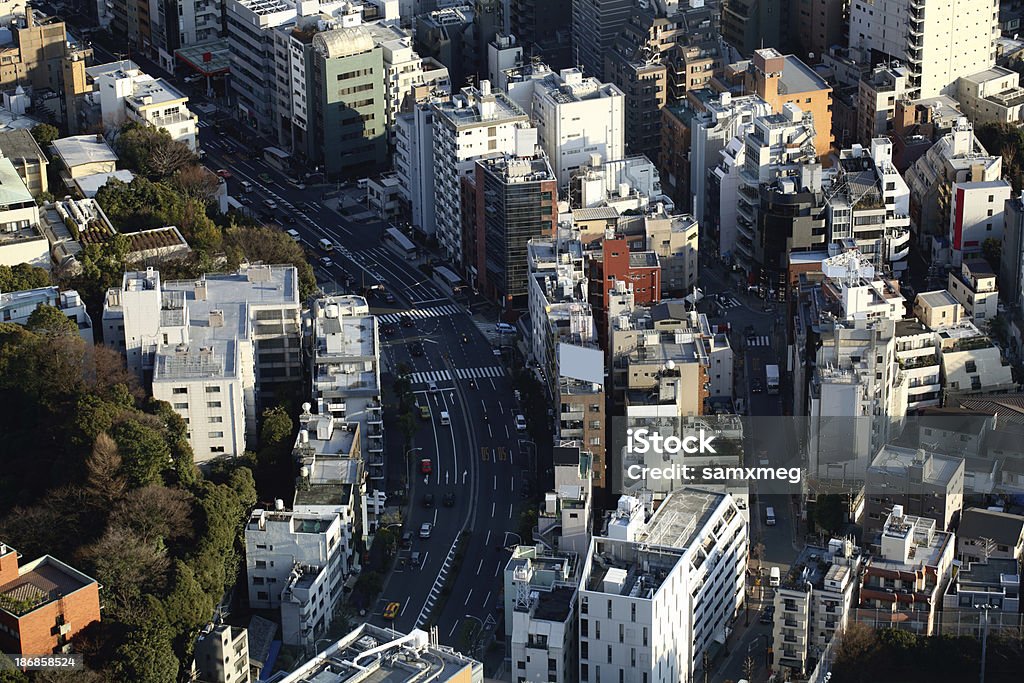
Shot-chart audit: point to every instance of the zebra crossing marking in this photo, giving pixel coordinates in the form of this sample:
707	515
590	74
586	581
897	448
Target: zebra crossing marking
759	341
435	312
436	376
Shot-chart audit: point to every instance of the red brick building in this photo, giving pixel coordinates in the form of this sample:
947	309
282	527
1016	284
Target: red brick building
43	604
614	261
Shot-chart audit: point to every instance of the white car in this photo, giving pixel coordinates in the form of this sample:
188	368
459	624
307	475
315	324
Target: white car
433	388
425	529
520	423
326	262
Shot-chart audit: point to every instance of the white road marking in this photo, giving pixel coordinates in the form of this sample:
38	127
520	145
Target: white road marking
510	510
468	596
450	633
487	599
492	509
488	541
481	566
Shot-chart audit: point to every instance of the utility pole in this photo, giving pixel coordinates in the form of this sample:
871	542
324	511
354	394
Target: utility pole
984	637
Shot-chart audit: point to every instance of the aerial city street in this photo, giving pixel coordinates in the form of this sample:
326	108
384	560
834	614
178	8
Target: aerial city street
592	341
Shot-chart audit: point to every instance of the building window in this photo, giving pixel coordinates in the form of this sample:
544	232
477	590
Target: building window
213	390
180	390
216	435
216	419
213	404
181	406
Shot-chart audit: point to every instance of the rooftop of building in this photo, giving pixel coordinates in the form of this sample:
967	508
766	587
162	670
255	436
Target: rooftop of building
26	234
157	238
261	7
399	659
910	327
297	522
464	108
680	517
815	564
78	150
937	298
990	74
513	169
927	547
555	605
89	185
988	575
12	188
20	145
937	469
39	583
1002	527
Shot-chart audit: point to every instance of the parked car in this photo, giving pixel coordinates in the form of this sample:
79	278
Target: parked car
407	539
415	558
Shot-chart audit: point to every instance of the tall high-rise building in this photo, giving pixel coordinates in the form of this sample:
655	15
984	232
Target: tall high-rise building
516	200
576	116
473	124
655	595
595	26
751	24
938	40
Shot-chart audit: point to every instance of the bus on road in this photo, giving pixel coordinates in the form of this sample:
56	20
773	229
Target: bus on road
277	158
394	238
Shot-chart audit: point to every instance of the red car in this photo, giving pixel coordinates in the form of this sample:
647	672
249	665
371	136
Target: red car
426	467
224	173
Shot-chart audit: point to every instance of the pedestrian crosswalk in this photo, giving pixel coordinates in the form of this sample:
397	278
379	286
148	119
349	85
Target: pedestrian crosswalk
203	124
731	302
762	340
435	376
434	312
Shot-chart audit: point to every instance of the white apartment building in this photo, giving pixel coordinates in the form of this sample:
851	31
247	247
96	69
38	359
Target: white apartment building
711	131
813	601
674	238
576	116
474	123
293	562
971	362
974	287
346	370
957	157
331	476
654	594
21	240
414	163
992	96
208	344
857	396
907	576
557	299
222	655
186	22
126	93
939	40
632	183
383	654
976	216
16	307
918	358
250	33
869	204
563	521
540	613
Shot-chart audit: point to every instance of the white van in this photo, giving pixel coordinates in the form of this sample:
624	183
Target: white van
445	420
769	516
246	186
504	328
774	577
270	204
294	234
326	245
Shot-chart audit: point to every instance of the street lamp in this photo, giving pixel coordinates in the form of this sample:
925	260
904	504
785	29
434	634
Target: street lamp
519	538
984	637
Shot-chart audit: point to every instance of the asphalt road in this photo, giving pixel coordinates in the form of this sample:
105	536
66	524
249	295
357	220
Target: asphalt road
477	457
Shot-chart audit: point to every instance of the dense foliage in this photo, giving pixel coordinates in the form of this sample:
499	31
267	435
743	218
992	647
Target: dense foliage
95	474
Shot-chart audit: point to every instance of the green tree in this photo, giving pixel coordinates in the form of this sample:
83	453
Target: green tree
266	245
146	656
50	320
45	134
830	512
277	426
129	569
187	606
144	451
151	151
22	276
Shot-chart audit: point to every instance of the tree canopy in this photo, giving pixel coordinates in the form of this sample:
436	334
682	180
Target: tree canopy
151	151
49	320
22	276
45	134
